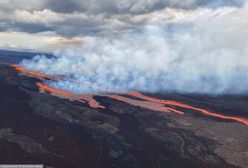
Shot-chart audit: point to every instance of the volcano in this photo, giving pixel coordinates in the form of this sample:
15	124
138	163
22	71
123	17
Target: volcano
57	128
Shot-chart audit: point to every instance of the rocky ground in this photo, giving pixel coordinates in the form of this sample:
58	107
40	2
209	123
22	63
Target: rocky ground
43	129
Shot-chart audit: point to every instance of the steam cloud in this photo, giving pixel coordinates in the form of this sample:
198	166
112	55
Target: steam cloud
206	51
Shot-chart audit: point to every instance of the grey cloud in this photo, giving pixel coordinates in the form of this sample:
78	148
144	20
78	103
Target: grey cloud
86	17
86	27
30	27
188	60
120	6
4	26
65	6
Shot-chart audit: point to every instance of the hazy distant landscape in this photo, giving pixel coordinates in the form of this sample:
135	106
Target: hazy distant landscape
15	57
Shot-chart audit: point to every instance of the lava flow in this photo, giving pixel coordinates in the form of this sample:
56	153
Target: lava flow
81	98
183	105
147	102
94	104
31	73
54	91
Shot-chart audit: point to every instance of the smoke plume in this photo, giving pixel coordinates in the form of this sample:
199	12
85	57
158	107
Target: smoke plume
200	51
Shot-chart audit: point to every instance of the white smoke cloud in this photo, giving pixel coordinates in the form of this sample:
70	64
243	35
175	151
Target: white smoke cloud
206	55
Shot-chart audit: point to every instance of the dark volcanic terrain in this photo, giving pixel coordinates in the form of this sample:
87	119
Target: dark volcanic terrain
43	129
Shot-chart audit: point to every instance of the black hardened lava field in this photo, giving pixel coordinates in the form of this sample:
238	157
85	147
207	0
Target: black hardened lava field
123	83
40	128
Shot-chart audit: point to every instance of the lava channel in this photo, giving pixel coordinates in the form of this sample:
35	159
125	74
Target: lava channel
31	73
147	102
83	98
183	105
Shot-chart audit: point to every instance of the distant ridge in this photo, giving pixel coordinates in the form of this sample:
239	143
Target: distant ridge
10	56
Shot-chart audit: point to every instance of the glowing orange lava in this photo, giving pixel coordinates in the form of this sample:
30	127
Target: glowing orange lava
94	104
91	101
18	68
81	98
49	89
35	74
183	105
147	102
39	75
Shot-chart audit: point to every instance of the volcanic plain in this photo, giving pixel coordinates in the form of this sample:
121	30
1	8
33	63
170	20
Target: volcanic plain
42	128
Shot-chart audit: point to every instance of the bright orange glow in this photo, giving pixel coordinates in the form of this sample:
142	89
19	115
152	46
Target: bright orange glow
39	75
36	74
94	104
81	98
147	102
88	98
183	105
49	89
19	68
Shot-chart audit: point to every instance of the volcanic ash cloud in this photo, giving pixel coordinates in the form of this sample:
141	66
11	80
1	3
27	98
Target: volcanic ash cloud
209	54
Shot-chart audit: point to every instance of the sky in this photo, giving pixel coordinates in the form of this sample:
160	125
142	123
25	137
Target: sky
196	46
48	25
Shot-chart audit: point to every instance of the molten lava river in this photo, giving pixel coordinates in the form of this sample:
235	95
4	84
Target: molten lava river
131	97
